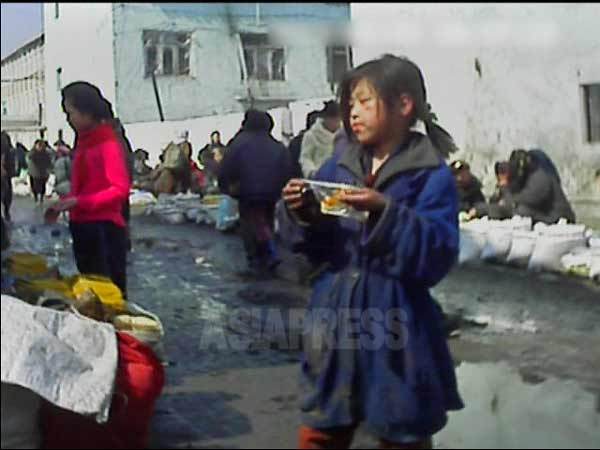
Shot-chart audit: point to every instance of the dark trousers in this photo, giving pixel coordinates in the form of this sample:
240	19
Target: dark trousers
257	222
7	196
38	187
100	248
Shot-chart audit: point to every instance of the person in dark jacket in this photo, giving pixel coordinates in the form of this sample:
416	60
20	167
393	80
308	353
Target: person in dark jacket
469	187
295	146
500	205
536	190
10	171
211	156
353	372
255	170
40	163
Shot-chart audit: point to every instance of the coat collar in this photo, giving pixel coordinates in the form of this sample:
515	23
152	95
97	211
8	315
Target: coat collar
99	134
417	153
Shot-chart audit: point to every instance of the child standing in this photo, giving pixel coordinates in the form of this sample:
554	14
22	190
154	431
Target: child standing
399	378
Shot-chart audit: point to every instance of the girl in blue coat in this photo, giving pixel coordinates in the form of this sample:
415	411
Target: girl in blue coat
375	352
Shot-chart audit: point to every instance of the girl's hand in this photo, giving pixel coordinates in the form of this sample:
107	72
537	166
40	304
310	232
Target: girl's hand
293	194
365	200
65	205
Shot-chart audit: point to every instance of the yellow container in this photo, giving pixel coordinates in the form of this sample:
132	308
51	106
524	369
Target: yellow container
108	293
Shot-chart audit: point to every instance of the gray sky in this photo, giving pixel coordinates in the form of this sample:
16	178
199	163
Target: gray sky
20	23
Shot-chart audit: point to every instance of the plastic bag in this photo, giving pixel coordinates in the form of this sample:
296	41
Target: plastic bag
549	250
228	213
327	193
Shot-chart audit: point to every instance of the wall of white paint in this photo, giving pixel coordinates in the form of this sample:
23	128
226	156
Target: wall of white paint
80	41
534	57
215	79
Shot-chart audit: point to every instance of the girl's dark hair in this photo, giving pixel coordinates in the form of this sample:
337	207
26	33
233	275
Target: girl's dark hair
392	76
88	99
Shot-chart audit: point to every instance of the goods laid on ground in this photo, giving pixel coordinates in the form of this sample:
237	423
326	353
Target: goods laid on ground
566	248
219	211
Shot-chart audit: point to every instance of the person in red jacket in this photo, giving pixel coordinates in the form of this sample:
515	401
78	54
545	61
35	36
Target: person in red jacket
100	185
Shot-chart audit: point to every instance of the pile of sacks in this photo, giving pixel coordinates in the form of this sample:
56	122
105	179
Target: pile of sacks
555	248
220	211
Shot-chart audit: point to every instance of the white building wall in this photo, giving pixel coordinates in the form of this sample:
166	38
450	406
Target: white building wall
20	98
80	41
533	57
215	78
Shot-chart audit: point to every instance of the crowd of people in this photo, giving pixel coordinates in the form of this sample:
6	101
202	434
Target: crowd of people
408	244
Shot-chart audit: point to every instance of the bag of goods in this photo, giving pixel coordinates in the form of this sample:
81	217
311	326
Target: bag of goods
139	382
473	237
500	235
228	214
109	295
522	246
554	242
141	198
175	158
579	261
21	424
328	196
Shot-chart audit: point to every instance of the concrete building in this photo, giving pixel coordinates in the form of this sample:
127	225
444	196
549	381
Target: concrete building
209	59
502	76
22	108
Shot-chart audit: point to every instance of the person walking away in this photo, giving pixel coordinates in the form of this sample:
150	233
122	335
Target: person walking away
39	164
380	271
295	146
100	186
10	171
254	170
536	190
317	144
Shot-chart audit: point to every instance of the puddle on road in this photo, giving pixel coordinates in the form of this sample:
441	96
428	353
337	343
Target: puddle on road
503	411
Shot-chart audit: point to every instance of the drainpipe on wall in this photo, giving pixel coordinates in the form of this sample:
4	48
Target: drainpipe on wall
156	94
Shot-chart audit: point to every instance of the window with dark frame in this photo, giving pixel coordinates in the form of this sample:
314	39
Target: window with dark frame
264	61
591	100
339	61
166	53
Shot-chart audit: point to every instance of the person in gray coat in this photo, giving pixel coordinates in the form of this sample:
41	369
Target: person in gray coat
536	191
62	169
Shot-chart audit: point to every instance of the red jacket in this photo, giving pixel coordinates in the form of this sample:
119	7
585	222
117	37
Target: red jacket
100	180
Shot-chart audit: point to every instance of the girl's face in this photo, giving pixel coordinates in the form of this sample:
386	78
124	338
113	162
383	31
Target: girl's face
366	110
371	121
78	120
